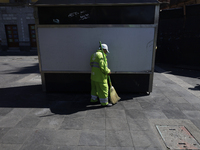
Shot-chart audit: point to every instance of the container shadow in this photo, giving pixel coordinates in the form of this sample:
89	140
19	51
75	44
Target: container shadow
33	97
59	103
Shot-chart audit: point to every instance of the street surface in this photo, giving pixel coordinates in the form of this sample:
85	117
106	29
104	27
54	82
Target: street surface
31	119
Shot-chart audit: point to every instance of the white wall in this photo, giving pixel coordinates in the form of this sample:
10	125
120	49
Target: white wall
69	49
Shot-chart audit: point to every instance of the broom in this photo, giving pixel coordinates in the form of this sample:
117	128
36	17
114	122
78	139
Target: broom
114	98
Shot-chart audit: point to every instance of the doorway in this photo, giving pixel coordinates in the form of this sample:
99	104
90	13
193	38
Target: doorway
12	35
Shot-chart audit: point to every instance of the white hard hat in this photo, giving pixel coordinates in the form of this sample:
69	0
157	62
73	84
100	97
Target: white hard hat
104	46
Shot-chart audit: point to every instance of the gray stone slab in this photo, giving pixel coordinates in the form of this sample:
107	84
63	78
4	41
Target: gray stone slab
53	137
176	99
72	123
66	137
98	113
41	112
143	99
61	147
16	136
28	122
156	91
192	114
180	90
144	139
119	148
94	123
114	113
170	92
163	103
131	105
160	100
166	90
92	138
10	146
91	147
51	122
39	137
148	148
167	106
3	131
159	83
197	106
20	112
118	106
77	114
135	114
116	124
169	82
196	122
13	117
174	114
34	146
192	99
185	106
149	106
155	114
118	139
138	124
4	111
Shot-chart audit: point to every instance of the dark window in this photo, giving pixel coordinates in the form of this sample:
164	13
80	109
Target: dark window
141	14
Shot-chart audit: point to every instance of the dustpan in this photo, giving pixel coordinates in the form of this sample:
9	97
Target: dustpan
114	98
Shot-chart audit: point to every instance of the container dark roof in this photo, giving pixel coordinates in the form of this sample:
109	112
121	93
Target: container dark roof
69	2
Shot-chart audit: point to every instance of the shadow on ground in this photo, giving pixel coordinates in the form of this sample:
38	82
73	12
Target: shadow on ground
58	103
185	71
25	70
196	88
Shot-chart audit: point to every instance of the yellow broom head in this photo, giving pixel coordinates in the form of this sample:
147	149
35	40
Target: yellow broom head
114	98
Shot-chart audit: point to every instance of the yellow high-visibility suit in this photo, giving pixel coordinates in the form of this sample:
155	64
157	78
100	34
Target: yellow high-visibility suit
99	76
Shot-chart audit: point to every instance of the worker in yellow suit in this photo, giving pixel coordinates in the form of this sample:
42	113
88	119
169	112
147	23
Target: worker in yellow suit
99	76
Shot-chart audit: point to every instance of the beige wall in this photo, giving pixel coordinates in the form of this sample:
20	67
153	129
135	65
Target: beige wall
4	1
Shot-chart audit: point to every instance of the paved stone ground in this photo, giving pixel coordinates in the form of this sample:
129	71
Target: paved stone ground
33	120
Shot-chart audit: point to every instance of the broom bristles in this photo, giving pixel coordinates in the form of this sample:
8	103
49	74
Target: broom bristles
114	98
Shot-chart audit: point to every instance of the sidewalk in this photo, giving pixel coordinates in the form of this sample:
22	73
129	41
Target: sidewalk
33	120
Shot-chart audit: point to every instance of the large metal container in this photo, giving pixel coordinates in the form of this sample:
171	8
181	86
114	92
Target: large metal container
69	32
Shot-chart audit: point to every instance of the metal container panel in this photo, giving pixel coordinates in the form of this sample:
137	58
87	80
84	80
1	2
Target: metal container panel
70	49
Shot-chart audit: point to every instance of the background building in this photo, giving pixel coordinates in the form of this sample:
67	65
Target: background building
179	34
17	25
17	30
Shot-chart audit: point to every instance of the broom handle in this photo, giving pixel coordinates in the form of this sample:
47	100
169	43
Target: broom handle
105	63
109	80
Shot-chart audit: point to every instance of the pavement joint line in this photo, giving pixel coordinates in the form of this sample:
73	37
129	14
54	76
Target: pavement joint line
178	81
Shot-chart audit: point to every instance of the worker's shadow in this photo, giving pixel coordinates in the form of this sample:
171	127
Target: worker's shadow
196	88
71	107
